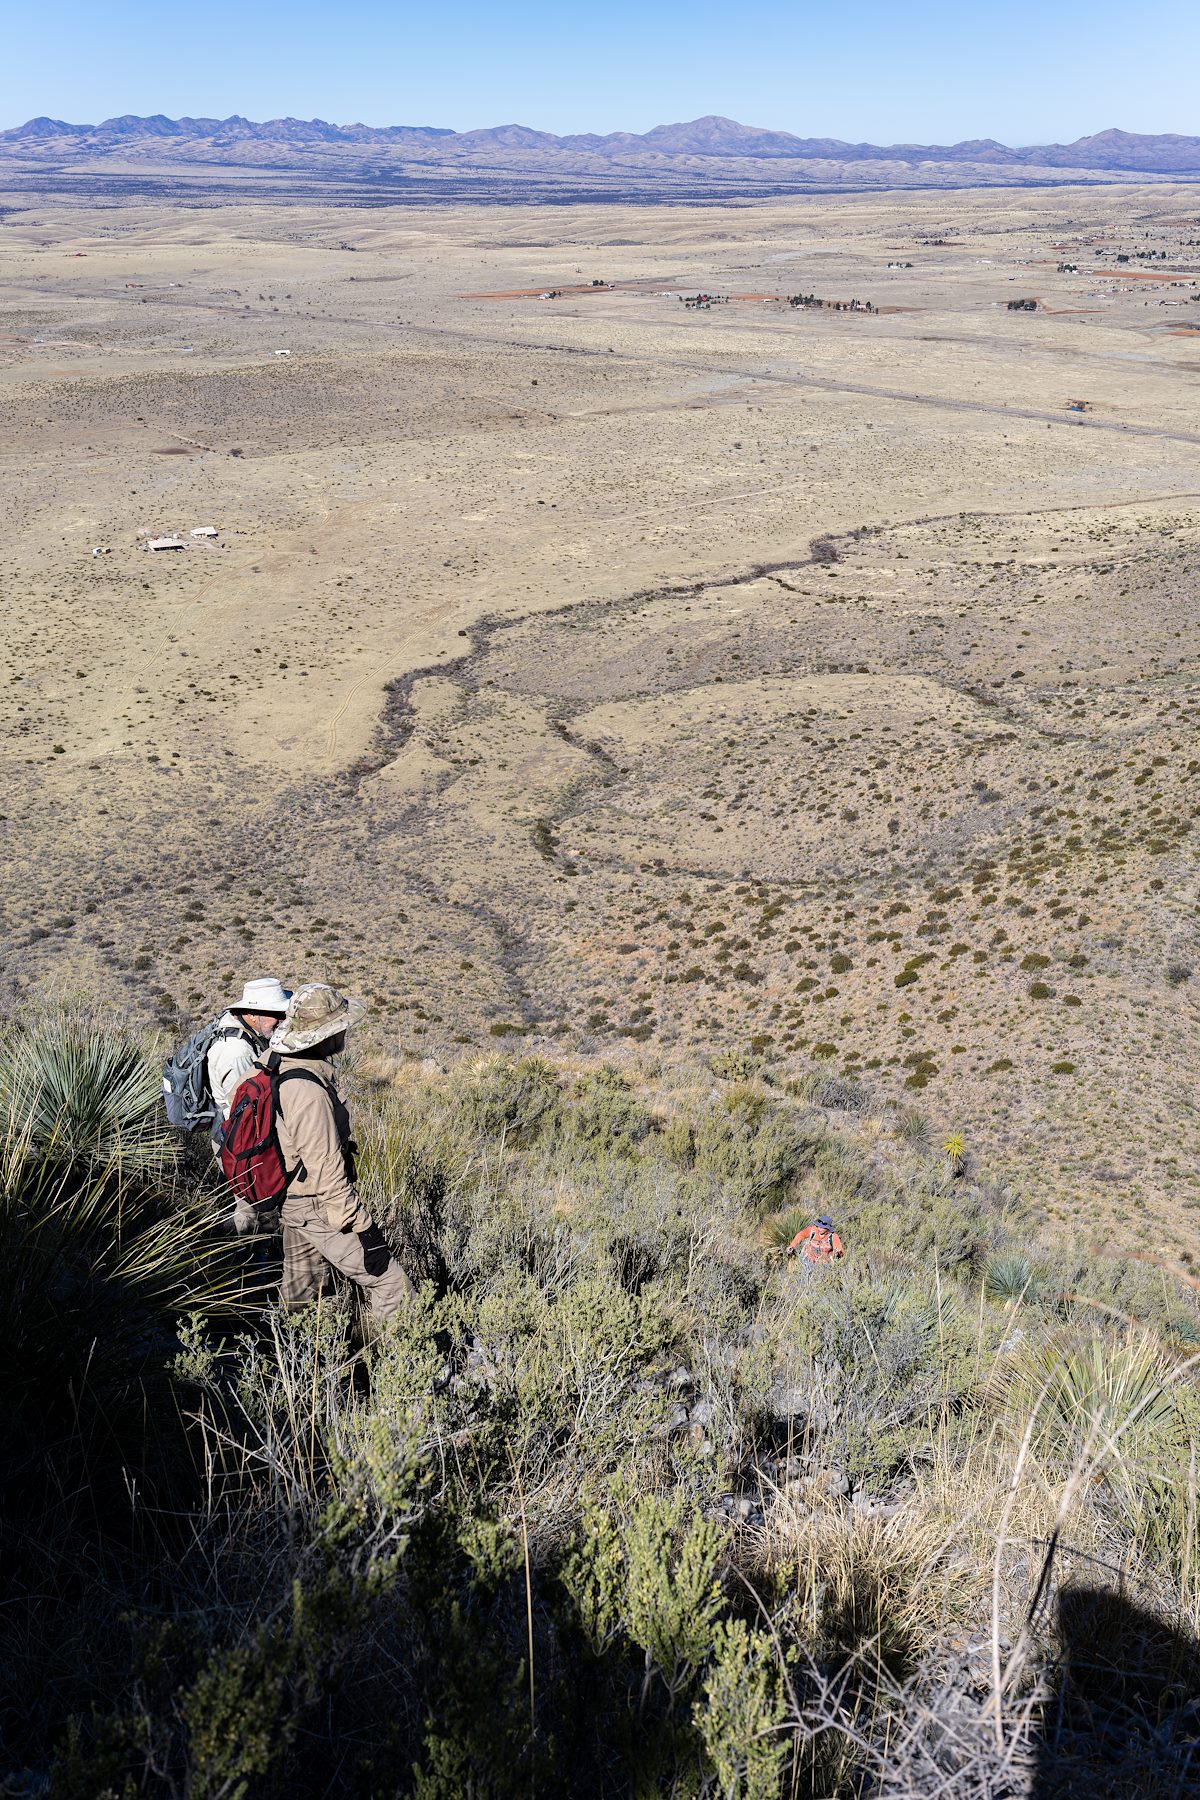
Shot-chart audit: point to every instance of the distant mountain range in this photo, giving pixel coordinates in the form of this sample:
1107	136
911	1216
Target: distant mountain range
711	137
706	161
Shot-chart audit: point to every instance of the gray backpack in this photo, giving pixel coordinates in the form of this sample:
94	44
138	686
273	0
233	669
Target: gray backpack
186	1093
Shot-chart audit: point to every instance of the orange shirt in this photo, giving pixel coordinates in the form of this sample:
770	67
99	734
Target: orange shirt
816	1245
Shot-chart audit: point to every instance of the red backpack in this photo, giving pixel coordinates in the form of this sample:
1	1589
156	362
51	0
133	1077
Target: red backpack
250	1153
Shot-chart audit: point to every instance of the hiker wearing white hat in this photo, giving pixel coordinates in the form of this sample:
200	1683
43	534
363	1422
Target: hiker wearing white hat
240	1037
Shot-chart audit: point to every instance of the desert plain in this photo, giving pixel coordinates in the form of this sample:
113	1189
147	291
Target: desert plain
622	678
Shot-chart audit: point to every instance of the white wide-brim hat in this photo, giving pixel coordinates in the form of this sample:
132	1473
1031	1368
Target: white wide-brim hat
314	1013
264	996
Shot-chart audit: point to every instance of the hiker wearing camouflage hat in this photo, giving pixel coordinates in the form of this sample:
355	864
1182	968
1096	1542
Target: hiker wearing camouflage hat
324	1222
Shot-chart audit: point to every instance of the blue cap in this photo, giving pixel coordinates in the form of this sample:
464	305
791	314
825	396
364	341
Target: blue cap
826	1221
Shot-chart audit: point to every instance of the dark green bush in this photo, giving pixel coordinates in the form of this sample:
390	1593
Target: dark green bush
754	1149
605	1114
510	1102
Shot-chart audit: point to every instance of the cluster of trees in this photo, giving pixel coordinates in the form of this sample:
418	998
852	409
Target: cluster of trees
833	305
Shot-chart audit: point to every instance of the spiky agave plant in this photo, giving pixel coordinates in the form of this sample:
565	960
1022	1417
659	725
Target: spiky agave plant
73	1089
1106	1403
98	1267
779	1230
101	1247
1010	1275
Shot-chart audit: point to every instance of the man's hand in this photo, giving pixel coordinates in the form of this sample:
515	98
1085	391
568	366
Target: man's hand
252	1221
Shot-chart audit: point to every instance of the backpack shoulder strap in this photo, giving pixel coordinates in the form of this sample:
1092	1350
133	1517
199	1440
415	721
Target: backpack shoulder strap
282	1075
231	1031
279	1076
341	1118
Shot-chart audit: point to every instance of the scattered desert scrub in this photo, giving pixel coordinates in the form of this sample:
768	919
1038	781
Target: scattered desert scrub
623	1503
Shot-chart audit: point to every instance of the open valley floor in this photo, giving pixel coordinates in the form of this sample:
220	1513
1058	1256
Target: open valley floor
580	664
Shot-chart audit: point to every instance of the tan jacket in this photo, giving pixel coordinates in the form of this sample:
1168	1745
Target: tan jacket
309	1141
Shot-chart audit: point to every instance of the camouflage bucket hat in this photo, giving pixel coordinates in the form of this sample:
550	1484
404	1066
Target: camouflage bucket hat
314	1013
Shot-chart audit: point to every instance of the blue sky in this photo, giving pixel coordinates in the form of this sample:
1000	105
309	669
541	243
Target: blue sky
923	72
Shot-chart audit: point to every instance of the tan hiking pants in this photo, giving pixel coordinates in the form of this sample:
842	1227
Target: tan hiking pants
311	1246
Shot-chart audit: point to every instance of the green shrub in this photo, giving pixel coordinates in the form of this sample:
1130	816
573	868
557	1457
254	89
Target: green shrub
605	1115
754	1151
736	1065
513	1102
740	1713
655	1577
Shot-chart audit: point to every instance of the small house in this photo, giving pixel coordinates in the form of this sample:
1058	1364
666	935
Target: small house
203	531
165	543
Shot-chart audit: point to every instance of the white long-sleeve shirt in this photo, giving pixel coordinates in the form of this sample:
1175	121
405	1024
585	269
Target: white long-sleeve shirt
230	1060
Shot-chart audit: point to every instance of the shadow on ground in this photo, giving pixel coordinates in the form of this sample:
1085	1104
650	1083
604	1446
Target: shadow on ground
1124	1719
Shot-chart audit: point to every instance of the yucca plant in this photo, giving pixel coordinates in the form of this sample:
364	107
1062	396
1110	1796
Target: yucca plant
779	1230
913	1127
75	1090
98	1267
101	1248
1106	1404
1010	1276
955	1151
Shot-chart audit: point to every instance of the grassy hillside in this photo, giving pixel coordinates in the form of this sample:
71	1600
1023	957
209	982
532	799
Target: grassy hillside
626	1504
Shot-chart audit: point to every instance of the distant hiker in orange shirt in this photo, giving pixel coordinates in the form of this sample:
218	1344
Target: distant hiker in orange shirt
818	1245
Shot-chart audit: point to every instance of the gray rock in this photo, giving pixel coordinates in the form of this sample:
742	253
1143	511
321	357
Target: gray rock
675	1421
789	1401
866	1506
